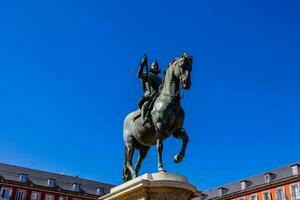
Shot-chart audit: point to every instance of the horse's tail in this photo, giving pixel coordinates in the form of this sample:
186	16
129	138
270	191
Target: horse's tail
126	172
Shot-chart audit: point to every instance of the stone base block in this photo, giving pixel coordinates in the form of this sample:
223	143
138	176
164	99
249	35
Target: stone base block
158	186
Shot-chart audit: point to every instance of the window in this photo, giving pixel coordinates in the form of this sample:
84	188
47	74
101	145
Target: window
51	182
244	185
21	194
76	187
268	177
49	197
221	191
253	197
295	169
280	195
23	178
35	196
101	191
267	196
63	198
5	193
295	192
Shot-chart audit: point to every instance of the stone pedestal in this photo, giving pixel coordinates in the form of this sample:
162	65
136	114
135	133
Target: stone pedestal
158	186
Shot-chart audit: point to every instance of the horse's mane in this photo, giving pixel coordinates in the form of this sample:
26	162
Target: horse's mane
180	59
175	62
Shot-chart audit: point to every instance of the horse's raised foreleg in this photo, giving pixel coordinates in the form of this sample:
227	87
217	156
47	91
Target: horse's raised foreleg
142	155
159	146
181	134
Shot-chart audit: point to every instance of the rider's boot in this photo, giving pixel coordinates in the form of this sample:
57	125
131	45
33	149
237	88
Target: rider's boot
146	120
145	114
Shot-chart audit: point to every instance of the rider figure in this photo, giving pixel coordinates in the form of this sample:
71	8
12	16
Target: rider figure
151	83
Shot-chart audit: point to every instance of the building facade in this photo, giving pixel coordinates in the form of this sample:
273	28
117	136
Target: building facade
278	184
19	183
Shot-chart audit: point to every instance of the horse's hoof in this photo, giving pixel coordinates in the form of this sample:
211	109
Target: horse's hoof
134	176
161	170
178	158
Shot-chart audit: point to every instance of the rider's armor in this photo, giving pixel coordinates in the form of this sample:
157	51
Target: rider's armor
151	83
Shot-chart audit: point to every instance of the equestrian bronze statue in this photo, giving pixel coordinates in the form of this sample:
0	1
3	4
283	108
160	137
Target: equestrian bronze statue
166	116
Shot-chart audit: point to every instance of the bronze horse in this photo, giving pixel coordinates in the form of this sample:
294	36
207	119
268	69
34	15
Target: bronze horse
167	117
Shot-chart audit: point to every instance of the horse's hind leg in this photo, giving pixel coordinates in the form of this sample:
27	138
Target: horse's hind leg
181	134
129	154
126	173
143	152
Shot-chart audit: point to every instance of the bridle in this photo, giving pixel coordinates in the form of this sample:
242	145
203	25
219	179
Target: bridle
182	76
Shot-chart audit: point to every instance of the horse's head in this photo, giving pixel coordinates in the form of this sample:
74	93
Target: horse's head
183	70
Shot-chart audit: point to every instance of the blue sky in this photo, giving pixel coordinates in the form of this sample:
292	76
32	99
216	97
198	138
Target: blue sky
68	79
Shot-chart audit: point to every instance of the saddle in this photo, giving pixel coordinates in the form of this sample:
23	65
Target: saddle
149	109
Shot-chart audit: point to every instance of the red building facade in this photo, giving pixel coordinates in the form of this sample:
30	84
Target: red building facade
279	184
18	183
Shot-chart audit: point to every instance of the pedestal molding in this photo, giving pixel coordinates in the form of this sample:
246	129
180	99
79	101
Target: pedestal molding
154	186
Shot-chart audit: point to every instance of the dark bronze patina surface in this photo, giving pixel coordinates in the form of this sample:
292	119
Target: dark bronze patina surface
160	114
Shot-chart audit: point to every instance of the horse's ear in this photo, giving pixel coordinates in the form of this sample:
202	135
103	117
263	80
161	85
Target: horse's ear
188	57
